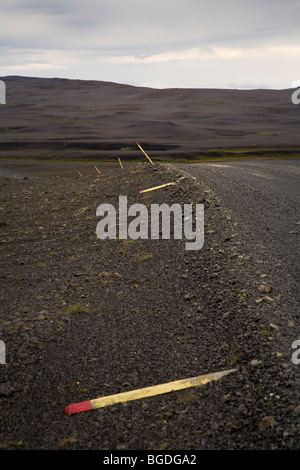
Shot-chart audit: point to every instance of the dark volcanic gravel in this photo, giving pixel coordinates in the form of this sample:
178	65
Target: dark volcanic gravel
83	318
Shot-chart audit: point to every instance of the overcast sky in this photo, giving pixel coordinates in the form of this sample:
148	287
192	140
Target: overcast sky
157	43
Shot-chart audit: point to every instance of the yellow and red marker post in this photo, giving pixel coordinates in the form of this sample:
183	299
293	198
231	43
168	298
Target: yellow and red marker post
156	187
145	392
120	163
145	153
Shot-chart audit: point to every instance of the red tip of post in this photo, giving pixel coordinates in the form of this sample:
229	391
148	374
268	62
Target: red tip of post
137	143
78	407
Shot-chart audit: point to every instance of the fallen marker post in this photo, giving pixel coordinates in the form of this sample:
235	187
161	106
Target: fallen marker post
120	163
156	187
79	173
97	170
144	153
145	392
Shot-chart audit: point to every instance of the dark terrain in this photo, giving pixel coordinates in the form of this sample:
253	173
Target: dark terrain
90	120
83	318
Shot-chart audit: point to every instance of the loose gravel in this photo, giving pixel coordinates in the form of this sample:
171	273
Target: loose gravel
83	318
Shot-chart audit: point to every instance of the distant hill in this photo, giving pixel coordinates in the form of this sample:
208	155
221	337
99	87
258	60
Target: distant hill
78	119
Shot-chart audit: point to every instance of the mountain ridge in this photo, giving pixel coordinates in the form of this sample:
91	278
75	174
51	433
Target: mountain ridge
99	119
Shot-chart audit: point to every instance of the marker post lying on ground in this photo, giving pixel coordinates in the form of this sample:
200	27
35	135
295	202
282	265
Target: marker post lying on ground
145	153
97	170
156	187
145	392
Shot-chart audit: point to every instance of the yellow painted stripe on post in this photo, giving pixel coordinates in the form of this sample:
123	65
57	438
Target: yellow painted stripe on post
120	163
156	187
158	389
144	153
145	392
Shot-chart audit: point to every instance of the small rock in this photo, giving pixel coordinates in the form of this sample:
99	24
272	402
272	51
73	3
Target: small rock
267	421
266	298
6	390
255	362
40	318
67	442
297	410
242	409
274	327
226	398
265	288
189	296
120	447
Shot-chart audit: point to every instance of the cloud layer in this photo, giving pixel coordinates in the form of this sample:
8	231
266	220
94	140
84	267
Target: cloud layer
194	43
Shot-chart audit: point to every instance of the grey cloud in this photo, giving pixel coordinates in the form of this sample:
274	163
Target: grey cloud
119	24
74	35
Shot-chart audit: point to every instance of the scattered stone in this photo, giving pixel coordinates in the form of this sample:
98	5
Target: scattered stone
67	442
268	299
255	362
233	328
6	390
189	296
226	398
297	410
242	409
40	318
231	426
265	288
267	421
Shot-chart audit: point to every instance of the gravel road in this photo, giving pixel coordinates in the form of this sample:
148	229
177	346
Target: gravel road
263	198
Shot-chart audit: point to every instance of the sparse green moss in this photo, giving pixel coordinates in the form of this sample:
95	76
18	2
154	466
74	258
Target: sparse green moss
16	444
145	257
265	333
75	308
